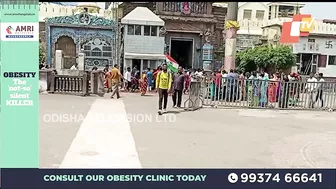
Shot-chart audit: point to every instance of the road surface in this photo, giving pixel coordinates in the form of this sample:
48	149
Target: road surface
90	132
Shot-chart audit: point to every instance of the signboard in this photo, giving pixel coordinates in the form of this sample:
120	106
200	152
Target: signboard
301	25
207	52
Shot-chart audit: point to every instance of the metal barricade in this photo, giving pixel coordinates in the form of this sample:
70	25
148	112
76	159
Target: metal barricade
256	93
195	100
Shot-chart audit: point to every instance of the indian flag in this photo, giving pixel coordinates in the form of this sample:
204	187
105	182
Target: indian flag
171	64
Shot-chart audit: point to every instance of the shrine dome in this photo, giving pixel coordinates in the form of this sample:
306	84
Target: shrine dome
92	8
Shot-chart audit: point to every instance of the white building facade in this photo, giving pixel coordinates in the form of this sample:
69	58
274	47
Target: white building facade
143	44
49	10
315	53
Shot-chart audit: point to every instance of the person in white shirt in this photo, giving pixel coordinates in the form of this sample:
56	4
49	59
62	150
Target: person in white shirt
74	67
319	89
224	73
128	78
193	75
310	88
199	72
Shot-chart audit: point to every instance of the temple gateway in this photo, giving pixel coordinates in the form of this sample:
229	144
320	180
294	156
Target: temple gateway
84	32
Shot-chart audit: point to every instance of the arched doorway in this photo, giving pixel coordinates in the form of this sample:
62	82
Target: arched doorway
68	46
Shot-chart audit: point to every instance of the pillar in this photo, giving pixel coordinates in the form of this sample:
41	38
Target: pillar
59	60
231	26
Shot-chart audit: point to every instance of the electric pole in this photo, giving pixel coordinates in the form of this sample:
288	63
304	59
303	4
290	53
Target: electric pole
231	27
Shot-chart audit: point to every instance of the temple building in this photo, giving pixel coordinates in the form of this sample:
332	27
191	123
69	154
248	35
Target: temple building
192	30
143	44
82	32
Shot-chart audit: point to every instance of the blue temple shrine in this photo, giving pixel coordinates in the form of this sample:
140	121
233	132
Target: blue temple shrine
81	33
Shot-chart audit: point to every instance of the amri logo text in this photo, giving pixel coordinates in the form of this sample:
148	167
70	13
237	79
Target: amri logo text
19	31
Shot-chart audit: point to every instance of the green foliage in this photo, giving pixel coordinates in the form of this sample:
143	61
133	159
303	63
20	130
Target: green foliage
219	53
42	55
275	57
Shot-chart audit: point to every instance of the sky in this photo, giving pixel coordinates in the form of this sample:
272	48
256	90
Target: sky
322	10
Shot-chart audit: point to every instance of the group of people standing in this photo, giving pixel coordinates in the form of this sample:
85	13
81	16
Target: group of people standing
160	80
164	82
260	88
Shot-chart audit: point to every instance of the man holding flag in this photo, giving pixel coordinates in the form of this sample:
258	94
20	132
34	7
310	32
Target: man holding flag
171	64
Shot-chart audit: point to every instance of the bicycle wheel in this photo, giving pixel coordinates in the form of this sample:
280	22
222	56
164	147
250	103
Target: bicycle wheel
188	104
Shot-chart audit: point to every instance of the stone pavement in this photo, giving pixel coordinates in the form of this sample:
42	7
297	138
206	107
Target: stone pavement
90	132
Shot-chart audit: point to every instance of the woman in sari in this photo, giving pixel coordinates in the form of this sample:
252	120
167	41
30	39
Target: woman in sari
187	82
272	89
108	81
253	90
241	82
263	90
143	84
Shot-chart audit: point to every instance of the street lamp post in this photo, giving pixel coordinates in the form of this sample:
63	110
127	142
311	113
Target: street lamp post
231	27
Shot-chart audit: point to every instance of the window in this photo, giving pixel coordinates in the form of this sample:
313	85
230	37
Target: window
154	30
247	14
193	7
311	40
107	48
332	60
286	11
152	64
145	64
130	30
137	30
96	52
107	51
207	54
322	62
260	14
87	50
147	30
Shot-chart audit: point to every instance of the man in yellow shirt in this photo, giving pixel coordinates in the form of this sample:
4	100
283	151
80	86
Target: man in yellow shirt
115	80
163	86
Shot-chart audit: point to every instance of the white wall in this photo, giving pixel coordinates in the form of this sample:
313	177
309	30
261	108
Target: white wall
47	10
254	7
320	48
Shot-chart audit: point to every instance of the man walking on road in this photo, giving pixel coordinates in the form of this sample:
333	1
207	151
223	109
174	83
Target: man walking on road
115	80
310	88
163	85
319	89
178	82
128	79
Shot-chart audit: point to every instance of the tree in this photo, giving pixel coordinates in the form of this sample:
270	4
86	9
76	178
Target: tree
219	53
278	57
42	55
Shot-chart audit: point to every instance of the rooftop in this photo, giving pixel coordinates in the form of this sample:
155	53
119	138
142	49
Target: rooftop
142	16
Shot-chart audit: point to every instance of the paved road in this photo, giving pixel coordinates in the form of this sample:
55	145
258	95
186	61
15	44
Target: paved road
94	135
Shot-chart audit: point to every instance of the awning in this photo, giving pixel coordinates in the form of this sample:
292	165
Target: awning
145	56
